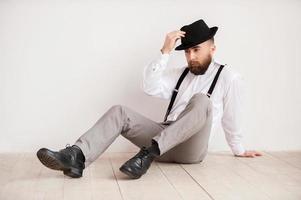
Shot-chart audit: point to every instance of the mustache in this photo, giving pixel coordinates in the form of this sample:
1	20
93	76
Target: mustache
194	63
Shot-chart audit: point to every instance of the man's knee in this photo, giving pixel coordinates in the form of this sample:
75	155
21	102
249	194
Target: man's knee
199	97
200	101
117	109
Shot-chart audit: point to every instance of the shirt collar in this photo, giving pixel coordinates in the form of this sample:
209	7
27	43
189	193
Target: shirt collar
211	67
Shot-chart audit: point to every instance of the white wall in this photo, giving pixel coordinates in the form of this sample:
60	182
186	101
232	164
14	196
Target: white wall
64	63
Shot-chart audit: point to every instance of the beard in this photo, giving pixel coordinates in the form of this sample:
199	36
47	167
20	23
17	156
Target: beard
198	68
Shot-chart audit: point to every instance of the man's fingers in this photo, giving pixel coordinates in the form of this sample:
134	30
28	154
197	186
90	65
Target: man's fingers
171	39
256	153
181	33
177	33
177	36
250	155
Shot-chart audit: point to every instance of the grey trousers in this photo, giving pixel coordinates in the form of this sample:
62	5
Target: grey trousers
184	140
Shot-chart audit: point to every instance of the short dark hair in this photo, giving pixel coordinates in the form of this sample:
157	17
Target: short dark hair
212	39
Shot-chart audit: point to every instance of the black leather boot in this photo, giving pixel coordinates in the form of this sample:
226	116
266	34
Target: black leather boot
139	164
70	160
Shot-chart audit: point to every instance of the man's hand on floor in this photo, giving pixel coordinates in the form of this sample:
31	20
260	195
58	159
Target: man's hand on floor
250	154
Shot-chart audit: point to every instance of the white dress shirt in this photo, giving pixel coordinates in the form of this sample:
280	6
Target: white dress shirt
159	80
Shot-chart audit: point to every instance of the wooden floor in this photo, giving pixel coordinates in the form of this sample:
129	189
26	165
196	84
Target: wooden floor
275	175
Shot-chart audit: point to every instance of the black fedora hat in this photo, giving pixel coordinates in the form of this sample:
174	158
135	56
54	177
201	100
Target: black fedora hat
196	33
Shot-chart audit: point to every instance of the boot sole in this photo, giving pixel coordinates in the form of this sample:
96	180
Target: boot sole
49	160
129	173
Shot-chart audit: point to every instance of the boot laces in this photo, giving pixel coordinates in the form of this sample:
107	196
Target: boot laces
143	152
69	148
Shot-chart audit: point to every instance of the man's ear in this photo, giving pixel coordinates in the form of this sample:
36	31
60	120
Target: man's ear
213	48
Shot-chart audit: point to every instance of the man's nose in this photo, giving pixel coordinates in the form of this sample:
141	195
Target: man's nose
191	56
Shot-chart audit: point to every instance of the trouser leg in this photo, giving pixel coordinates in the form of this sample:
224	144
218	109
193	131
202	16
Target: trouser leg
186	139
140	130
117	120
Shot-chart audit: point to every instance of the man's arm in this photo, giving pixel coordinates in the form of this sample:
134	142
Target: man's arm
232	117
154	83
158	81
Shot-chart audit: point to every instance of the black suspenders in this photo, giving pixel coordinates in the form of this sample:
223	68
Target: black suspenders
175	92
176	89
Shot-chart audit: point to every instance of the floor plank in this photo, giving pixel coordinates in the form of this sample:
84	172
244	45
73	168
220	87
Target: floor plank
275	175
263	181
50	184
7	161
280	179
183	182
104	183
22	181
151	185
221	181
291	157
78	188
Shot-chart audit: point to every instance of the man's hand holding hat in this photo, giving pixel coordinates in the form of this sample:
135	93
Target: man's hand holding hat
171	39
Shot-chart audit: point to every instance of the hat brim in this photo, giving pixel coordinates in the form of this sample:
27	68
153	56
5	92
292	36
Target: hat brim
213	30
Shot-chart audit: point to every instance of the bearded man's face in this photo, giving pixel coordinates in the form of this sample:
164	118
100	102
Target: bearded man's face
199	57
199	68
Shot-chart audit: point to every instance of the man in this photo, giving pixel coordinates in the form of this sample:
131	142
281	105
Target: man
183	135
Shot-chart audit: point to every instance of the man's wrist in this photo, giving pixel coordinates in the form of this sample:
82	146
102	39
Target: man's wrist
240	154
164	51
